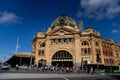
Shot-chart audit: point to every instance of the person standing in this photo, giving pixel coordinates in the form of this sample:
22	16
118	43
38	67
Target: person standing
16	66
91	70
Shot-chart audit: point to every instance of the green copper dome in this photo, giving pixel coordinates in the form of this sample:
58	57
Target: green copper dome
63	20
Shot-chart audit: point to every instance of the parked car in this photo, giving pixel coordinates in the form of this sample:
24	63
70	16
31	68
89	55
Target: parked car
4	66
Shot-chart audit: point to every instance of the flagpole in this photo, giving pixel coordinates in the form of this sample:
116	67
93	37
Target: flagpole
16	50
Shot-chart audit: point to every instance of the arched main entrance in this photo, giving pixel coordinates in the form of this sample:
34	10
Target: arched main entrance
62	58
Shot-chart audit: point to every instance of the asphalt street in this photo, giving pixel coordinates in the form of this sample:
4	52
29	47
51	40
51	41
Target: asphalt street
53	76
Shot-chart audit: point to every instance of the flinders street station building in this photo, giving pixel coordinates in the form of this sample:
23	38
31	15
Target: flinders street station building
64	44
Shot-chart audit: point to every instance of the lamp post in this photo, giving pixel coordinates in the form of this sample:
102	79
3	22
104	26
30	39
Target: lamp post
82	65
20	61
42	62
97	60
111	62
85	62
31	59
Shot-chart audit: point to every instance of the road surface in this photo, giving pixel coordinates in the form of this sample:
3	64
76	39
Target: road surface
56	76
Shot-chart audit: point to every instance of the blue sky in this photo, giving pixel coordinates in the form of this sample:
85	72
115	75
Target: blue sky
24	18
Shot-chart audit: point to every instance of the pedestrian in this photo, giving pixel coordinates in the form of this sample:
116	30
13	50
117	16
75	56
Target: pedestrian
88	70
46	68
67	70
91	70
16	66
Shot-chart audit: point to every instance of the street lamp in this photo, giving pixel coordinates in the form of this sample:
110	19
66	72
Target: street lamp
97	60
31	60
85	62
82	65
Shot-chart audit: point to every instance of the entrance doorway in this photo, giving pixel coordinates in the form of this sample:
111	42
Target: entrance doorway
62	58
42	62
62	63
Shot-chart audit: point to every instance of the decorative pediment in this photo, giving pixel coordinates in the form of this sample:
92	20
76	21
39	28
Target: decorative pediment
90	30
61	31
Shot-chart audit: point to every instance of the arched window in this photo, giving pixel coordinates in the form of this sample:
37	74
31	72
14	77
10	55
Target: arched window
42	45
85	50
62	55
85	43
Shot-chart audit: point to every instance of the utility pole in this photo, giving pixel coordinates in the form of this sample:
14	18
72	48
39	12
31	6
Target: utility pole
97	60
31	60
82	65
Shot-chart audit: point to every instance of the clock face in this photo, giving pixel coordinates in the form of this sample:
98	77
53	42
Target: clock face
61	33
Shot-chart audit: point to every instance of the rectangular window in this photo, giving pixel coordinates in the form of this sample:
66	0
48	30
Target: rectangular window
88	50
65	40
53	41
71	40
105	61
111	61
98	51
56	41
41	52
59	40
105	53
111	54
100	60
85	50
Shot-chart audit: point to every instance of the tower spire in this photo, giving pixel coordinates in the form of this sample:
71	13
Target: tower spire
63	14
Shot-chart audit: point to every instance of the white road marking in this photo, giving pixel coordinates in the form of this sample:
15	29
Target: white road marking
66	78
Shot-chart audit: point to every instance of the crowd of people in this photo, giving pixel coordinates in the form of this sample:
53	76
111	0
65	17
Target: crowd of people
56	69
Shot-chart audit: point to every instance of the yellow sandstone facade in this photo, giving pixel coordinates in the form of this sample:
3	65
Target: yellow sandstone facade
65	45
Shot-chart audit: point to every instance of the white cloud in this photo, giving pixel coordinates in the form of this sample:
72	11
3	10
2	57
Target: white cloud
8	17
99	9
115	31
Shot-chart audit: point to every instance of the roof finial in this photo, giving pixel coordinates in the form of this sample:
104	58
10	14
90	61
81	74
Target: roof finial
63	14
